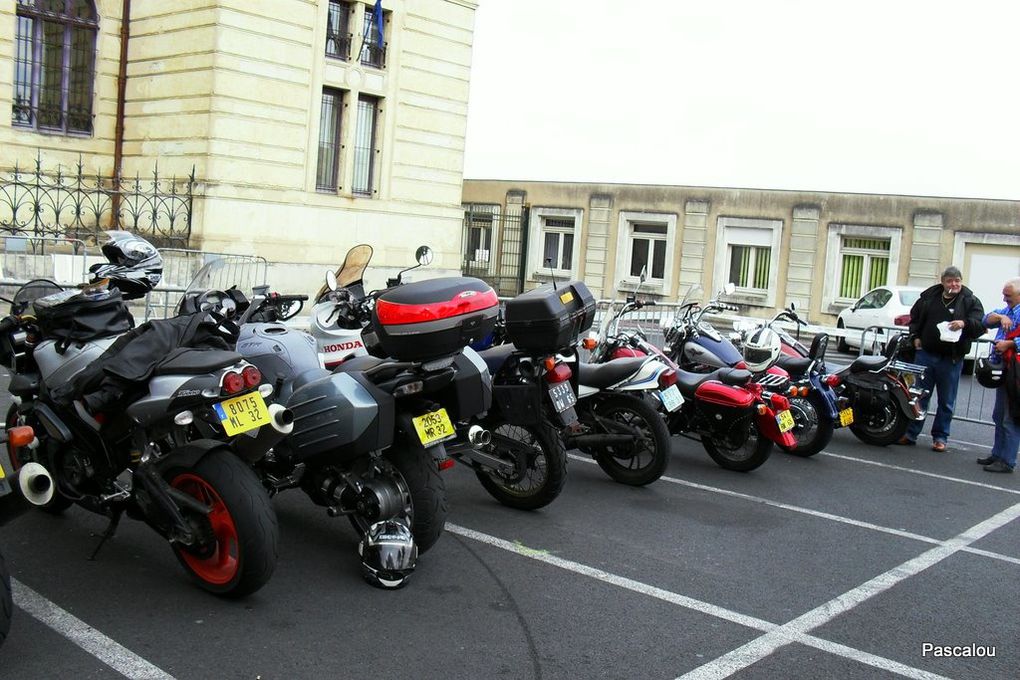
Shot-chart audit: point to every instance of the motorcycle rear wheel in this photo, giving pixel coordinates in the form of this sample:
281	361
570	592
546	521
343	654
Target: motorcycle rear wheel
424	491
883	426
546	465
243	554
755	451
6	602
813	432
643	462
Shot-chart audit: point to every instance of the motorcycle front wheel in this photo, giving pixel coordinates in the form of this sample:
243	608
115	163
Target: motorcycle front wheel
239	553
643	461
539	477
423	490
882	425
812	431
754	452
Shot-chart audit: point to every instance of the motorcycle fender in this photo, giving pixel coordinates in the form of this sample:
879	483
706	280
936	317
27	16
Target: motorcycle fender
768	427
187	456
55	427
909	405
828	395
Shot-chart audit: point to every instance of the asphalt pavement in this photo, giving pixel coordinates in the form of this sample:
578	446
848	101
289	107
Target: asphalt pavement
846	564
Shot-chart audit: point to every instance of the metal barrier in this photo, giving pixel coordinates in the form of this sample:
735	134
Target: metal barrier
181	266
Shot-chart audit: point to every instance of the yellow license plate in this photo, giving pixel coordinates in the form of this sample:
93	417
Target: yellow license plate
241	414
785	420
434	427
2	473
846	417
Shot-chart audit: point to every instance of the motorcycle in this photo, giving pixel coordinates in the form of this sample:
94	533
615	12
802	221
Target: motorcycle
14	488
817	410
113	441
369	437
734	418
513	447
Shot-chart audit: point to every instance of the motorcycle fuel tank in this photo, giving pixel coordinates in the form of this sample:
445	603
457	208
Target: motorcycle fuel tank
56	368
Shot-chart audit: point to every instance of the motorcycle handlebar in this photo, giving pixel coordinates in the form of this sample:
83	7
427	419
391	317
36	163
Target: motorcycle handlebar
8	324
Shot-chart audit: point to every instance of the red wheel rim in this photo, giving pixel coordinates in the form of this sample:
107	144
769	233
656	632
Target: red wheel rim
220	567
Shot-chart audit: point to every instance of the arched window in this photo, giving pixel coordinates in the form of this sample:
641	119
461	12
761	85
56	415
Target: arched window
54	65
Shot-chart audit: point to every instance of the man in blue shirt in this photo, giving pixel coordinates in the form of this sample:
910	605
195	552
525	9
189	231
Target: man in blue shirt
1007	430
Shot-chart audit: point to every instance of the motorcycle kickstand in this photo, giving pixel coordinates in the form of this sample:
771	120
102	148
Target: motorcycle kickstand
111	529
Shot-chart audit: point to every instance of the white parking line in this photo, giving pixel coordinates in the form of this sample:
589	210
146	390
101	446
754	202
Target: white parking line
816	513
763	646
946	478
114	655
696	605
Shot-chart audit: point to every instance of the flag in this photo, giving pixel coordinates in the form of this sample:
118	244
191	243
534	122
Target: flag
377	18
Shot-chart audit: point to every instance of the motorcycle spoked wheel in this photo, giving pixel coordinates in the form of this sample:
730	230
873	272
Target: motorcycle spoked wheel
242	546
59	502
646	459
755	450
813	433
6	602
423	490
545	467
880	426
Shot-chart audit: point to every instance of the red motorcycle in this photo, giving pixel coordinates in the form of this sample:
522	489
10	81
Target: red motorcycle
736	419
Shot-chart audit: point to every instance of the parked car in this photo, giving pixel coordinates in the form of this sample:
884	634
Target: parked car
885	306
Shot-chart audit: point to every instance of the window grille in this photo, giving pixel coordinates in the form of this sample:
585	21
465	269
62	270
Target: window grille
327	170
338	30
364	145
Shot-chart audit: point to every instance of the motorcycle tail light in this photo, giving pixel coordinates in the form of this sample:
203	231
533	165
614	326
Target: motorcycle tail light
667	378
446	464
832	380
557	374
779	402
233	382
252	376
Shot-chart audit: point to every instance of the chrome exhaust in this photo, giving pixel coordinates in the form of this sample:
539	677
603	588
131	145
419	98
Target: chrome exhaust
36	484
282	417
479	436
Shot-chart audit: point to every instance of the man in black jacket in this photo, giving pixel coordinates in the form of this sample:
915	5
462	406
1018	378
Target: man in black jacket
942	310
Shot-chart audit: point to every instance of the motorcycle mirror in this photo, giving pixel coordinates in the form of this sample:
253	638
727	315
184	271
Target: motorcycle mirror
331	280
793	307
729	288
644	274
423	255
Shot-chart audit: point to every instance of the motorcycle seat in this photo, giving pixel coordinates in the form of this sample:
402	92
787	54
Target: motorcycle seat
601	376
196	361
362	363
869	363
688	382
495	357
794	365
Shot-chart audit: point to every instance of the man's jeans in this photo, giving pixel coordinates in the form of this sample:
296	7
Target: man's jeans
1007	432
943	375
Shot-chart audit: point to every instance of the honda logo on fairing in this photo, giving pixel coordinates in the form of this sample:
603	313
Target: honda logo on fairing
468	293
341	346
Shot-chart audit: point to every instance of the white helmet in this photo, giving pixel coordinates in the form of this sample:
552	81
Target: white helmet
761	349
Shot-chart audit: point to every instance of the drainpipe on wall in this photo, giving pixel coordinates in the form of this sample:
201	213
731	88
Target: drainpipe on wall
118	141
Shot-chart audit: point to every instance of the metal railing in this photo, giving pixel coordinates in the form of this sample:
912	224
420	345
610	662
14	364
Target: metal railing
79	205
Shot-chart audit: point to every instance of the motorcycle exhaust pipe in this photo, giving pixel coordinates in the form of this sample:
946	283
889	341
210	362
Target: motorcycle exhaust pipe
36	484
479	436
282	417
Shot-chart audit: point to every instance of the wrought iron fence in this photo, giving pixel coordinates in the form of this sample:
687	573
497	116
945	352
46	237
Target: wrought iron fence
79	205
496	245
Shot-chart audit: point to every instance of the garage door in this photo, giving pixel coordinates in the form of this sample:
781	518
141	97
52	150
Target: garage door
986	267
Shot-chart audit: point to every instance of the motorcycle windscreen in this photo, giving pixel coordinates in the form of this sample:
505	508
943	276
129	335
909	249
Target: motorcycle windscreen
351	272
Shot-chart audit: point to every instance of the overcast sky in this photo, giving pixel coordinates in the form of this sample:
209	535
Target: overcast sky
897	96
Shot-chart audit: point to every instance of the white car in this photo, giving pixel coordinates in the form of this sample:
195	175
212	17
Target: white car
885	306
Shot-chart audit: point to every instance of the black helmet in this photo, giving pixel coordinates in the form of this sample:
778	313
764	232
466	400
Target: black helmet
135	266
988	374
388	554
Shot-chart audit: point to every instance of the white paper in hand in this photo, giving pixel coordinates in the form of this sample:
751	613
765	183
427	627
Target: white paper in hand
946	335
